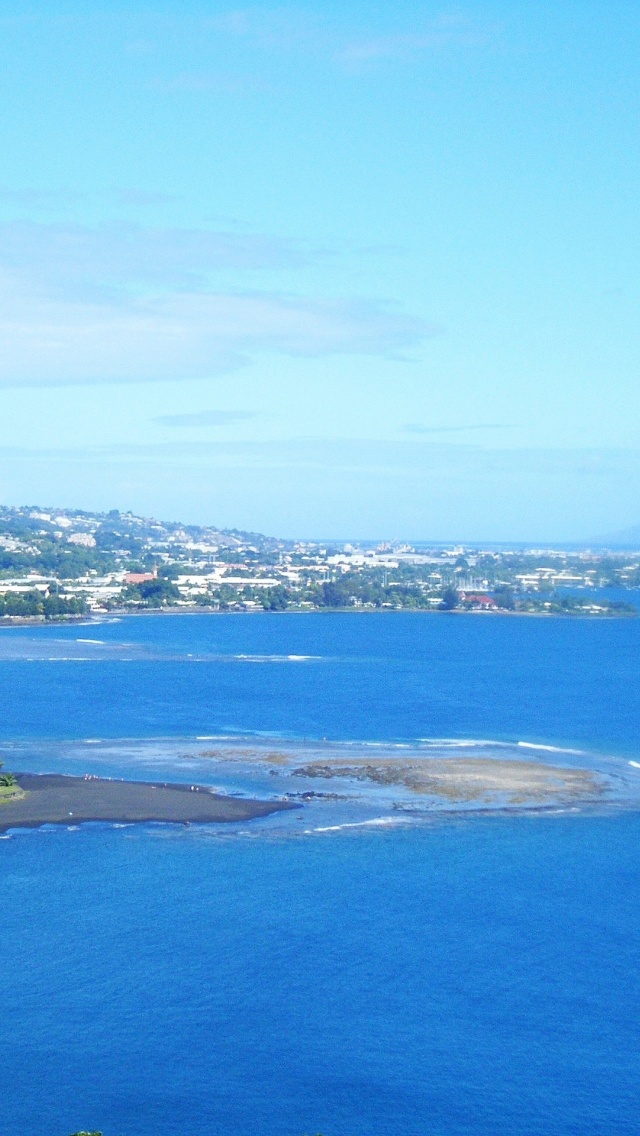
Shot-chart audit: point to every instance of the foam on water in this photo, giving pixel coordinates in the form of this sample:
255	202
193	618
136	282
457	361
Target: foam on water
373	822
549	748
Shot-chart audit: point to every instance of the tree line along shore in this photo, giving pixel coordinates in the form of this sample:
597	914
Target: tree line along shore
31	607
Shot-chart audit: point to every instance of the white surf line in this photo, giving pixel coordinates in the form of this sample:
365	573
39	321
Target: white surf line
460	743
548	748
635	764
379	821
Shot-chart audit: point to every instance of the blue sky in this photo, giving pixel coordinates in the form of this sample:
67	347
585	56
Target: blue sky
325	269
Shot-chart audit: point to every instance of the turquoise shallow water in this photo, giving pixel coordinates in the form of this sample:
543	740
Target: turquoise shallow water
470	975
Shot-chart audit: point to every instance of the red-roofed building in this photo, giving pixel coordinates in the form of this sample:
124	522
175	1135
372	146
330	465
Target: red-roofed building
478	599
140	577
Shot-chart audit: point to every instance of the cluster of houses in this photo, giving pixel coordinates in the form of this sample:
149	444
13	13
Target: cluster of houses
204	562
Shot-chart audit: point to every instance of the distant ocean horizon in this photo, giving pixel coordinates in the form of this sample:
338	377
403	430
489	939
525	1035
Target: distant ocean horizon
471	975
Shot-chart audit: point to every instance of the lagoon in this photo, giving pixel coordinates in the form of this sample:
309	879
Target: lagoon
467	974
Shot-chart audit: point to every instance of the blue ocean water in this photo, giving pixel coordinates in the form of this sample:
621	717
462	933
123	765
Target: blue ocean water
472	975
375	676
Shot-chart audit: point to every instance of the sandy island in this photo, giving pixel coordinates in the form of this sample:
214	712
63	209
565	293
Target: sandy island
52	798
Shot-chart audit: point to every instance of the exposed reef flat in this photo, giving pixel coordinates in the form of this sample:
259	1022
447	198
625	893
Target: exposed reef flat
57	799
429	775
462	780
305	784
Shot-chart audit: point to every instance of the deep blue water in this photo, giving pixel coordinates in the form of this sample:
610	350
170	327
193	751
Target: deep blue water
471	976
377	676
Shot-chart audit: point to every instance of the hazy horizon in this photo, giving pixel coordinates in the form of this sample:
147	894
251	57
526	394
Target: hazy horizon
617	539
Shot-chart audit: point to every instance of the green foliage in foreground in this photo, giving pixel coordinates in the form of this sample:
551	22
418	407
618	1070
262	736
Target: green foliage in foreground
9	788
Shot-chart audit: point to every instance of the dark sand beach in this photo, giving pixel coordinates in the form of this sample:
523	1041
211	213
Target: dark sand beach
56	799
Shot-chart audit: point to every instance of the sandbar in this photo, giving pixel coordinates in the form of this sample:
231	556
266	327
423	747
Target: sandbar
53	798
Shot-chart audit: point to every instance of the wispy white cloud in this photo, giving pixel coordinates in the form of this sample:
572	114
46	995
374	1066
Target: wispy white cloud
180	335
125	304
62	259
204	419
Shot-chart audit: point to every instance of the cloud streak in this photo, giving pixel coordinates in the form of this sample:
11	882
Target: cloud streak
205	419
442	32
181	336
349	487
290	29
417	428
123	303
64	259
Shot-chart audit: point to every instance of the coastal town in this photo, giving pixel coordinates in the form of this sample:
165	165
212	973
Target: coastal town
65	563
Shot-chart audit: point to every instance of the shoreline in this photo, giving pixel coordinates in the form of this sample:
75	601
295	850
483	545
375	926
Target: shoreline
120	613
55	798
